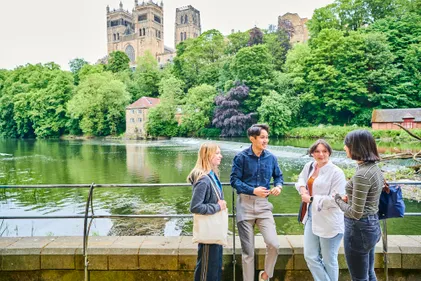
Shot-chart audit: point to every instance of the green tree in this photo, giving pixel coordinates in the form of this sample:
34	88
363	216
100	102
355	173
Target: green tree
197	109
253	66
146	77
323	18
99	103
118	61
277	110
236	41
278	46
75	66
194	55
161	119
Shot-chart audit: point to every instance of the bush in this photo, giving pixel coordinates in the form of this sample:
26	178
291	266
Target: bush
209	132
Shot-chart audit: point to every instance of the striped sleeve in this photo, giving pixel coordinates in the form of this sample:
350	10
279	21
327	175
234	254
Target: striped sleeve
360	188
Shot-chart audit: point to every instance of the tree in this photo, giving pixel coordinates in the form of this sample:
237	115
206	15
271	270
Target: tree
253	66
278	46
277	111
229	115
323	18
161	119
256	36
75	66
236	41
146	77
195	54
198	109
118	61
99	103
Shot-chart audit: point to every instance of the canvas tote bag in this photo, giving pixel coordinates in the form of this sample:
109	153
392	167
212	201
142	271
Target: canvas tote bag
211	229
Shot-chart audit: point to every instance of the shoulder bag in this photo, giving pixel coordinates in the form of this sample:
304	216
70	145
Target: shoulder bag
391	204
211	229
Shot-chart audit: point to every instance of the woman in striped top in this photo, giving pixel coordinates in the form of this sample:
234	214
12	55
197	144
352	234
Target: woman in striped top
360	205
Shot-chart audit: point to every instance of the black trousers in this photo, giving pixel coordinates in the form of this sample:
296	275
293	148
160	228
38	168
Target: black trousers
209	263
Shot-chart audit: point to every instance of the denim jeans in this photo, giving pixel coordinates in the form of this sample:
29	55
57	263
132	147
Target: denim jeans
361	237
209	263
321	254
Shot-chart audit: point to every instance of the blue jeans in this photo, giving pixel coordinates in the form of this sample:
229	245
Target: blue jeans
361	237
321	254
209	263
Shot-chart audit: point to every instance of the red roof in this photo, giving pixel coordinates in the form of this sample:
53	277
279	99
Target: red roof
144	102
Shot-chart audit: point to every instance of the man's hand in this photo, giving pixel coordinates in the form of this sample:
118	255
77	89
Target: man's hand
275	191
261	192
222	204
303	190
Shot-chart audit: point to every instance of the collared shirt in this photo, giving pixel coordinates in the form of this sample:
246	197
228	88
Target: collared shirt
327	217
250	171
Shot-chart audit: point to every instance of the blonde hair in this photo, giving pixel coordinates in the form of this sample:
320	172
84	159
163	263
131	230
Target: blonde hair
203	164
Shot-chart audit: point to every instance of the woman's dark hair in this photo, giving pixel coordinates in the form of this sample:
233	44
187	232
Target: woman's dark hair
313	147
256	129
362	146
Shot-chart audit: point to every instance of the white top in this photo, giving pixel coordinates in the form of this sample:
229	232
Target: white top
328	219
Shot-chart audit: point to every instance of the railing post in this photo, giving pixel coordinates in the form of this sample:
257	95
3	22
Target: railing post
385	250
234	260
86	229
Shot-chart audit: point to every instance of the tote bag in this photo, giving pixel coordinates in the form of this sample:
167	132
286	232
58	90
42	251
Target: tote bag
211	229
391	204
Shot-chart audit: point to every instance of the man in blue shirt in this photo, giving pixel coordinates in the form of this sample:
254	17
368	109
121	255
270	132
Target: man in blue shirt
251	173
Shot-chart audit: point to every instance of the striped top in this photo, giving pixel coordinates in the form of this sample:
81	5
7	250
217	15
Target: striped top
363	192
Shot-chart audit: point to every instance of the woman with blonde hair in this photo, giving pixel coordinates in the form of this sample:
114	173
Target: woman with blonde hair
205	202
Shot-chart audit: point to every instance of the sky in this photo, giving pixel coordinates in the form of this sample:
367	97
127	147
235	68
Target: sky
41	31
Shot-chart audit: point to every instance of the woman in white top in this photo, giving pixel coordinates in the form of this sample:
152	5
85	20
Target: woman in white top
323	220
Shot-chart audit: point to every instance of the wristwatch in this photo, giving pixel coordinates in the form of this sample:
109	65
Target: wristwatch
311	199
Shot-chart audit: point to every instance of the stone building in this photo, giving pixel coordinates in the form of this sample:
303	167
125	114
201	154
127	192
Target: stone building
187	24
142	29
137	116
300	32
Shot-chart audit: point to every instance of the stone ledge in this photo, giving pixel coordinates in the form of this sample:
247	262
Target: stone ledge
151	253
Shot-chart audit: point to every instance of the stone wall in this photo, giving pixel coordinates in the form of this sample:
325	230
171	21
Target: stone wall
132	258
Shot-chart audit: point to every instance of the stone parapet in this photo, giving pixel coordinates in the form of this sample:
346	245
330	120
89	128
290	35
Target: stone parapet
174	258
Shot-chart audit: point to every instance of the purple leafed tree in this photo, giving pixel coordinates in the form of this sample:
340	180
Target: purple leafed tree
228	115
256	37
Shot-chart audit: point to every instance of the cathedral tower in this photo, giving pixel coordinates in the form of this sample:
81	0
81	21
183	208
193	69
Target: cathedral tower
136	32
187	24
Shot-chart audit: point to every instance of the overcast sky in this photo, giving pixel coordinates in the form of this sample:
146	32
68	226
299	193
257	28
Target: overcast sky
34	31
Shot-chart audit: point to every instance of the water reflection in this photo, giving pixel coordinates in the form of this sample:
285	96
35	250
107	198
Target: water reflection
104	161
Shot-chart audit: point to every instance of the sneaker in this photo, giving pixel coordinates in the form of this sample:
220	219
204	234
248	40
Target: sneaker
260	276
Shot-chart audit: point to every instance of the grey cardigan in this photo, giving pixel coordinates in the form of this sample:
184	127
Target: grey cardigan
204	200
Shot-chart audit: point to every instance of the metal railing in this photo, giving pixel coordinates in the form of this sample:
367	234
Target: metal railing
92	216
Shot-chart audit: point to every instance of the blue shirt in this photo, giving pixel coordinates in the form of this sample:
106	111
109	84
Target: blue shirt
250	171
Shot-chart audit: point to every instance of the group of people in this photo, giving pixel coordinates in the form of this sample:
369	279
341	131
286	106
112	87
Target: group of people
332	208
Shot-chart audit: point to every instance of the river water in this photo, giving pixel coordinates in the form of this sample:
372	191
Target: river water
117	161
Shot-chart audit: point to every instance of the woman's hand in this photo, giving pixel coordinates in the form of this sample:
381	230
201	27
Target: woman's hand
345	198
303	190
305	197
222	204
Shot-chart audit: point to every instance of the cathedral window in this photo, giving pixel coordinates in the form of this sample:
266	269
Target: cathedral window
186	19
181	36
182	20
118	36
130	53
115	37
156	19
185	36
142	17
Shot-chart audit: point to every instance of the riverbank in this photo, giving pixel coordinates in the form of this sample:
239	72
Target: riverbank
339	132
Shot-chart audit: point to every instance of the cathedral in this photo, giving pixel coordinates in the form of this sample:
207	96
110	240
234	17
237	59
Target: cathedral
143	30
